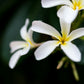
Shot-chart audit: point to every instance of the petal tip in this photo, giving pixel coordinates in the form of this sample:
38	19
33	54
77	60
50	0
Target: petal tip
27	21
10	65
70	17
38	58
78	59
43	4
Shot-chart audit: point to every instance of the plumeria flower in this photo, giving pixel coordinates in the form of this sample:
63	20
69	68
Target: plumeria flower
21	47
63	40
69	11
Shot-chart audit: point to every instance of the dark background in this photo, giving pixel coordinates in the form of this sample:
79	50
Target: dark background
29	71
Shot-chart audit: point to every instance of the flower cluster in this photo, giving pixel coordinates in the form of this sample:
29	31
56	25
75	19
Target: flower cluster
67	13
22	47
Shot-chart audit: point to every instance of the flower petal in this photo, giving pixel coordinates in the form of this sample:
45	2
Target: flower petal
45	49
67	13
72	52
41	27
14	59
65	28
15	45
26	49
51	3
76	34
30	34
23	31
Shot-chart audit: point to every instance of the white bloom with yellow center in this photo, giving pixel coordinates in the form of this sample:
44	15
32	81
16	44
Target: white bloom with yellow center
21	47
63	40
69	11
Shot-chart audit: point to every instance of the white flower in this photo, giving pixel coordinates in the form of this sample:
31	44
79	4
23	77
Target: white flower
67	12
21	47
63	40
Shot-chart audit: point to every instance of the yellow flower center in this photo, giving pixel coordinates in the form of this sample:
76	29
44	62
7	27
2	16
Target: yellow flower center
28	40
77	3
63	40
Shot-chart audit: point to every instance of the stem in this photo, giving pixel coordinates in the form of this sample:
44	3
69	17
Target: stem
75	73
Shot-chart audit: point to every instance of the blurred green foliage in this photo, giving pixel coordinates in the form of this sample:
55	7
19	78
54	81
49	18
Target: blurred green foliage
29	71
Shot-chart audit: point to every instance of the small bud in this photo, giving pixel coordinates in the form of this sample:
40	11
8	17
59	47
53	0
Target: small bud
75	73
61	63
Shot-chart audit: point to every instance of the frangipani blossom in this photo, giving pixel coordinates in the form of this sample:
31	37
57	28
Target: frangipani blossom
21	47
69	11
63	40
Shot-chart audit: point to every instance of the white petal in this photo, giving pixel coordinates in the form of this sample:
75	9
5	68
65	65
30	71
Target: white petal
26	49
45	49
15	45
72	52
67	13
76	34
30	34
51	3
14	59
41	27
65	28
23	31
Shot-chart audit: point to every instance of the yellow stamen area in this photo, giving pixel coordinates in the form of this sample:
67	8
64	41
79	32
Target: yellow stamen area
77	3
63	40
28	40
